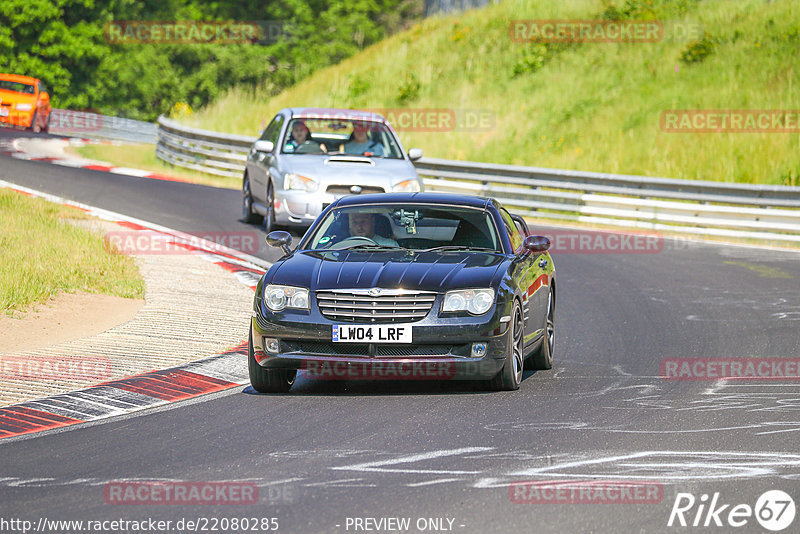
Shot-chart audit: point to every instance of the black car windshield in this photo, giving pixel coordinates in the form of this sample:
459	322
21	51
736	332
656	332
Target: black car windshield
410	226
340	136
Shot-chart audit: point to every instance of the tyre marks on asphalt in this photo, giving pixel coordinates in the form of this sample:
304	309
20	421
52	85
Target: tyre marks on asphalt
671	466
762	406
490	468
392	465
493	467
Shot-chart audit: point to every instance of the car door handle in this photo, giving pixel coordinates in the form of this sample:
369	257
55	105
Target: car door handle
543	263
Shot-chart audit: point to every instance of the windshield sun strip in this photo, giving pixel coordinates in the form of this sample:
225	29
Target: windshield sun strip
302	245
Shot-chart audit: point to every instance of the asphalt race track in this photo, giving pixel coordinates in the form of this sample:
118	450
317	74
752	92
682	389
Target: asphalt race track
334	452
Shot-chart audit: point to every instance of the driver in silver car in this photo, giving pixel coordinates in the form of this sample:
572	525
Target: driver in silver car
300	140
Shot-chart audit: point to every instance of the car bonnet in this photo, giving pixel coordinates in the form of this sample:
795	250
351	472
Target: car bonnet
327	170
428	271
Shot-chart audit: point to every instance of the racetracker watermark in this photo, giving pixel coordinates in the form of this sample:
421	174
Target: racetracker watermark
150	242
180	493
730	120
193	32
75	121
601	242
586	492
438	119
694	369
338	370
61	368
586	31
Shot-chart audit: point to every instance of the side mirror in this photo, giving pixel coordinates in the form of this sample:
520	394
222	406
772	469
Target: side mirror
280	238
537	243
264	146
414	154
521	222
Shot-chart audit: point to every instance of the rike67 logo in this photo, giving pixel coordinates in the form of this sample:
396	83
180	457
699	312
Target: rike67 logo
774	510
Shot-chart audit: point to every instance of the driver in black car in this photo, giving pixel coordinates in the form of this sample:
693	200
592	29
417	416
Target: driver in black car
363	224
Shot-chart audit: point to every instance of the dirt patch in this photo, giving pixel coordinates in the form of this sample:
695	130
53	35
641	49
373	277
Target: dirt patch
65	317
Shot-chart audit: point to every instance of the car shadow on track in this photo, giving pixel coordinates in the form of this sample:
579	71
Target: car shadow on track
380	388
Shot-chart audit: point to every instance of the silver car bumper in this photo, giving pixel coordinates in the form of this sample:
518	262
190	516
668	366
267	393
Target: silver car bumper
299	207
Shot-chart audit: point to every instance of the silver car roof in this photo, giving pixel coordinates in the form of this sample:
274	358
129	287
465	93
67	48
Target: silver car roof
335	113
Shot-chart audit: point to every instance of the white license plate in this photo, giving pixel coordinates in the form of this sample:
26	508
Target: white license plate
374	333
3	112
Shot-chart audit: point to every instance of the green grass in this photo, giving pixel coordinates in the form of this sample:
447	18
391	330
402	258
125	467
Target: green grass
42	254
584	106
143	156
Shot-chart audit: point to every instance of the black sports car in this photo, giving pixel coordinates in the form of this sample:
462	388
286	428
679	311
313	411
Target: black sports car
406	286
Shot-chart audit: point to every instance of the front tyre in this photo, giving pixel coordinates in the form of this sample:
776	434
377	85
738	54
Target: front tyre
248	215
34	127
268	380
269	217
510	377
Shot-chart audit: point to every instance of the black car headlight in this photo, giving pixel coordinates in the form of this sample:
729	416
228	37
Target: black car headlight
276	297
474	301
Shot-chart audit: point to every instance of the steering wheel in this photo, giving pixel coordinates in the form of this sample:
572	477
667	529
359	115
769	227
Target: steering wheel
352	241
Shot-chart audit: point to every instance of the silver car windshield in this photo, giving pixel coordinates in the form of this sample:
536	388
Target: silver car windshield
409	226
340	136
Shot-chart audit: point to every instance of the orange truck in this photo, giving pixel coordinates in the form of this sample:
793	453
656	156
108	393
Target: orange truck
24	102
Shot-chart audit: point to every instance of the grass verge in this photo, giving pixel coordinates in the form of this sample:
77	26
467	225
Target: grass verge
42	254
143	156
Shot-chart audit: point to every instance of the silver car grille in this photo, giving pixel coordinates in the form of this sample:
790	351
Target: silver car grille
375	306
345	189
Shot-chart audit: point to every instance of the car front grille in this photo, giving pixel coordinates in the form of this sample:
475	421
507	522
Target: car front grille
325	348
398	351
345	189
389	306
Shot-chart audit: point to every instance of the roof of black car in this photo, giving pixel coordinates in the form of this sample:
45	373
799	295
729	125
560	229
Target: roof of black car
427	198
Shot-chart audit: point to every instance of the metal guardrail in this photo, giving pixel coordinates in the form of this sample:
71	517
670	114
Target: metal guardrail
93	125
761	212
202	150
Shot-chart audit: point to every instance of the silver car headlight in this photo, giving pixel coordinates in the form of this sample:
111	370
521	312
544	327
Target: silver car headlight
406	186
299	182
276	297
474	301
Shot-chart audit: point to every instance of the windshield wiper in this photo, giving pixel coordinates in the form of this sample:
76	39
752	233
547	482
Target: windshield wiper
457	247
371	247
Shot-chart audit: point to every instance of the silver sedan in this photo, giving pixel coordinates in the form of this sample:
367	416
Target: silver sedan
308	157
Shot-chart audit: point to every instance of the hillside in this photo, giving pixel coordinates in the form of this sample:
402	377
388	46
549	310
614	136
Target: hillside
587	106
